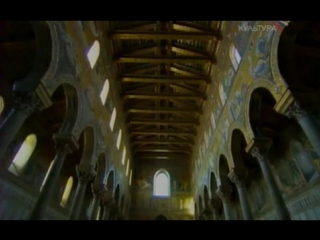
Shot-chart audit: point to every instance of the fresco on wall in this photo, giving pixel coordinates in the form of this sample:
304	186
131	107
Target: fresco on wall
237	103
289	177
143	181
225	131
226	81
259	67
258	193
210	134
218	109
304	161
213	121
242	37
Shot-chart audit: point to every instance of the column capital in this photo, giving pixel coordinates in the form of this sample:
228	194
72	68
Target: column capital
214	203
107	198
262	144
97	189
238	176
224	193
295	111
27	102
85	173
66	138
64	148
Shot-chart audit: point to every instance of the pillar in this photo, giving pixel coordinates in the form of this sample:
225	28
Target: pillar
224	193
63	149
208	215
25	104
107	202
238	177
97	190
308	124
260	150
85	173
214	205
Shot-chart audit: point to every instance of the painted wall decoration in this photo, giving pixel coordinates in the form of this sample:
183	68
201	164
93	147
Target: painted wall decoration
225	131
237	103
213	121
258	193
260	62
304	161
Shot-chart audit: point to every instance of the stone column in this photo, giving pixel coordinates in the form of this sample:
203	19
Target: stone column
107	202
208	215
238	177
260	151
308	124
63	149
97	190
224	193
214	205
25	104
85	174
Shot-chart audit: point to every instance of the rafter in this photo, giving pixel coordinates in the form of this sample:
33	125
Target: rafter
162	122
139	25
162	59
163	110
153	95
140	49
163	79
162	132
185	25
188	50
189	88
162	150
159	35
140	68
184	70
162	141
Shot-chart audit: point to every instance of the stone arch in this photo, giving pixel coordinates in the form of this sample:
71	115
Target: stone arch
47	55
122	204
89	145
206	196
72	108
259	83
239	126
110	181
116	195
212	184
200	204
101	168
236	146
274	64
223	170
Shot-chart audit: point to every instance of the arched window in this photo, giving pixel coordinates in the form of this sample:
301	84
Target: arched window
124	153
119	139
1	104
23	155
223	96
66	192
113	118
45	178
161	187
104	91
234	56
130	178
128	165
93	54
213	121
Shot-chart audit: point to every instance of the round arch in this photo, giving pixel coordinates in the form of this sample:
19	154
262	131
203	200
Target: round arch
223	170
259	83
161	186
110	181
89	145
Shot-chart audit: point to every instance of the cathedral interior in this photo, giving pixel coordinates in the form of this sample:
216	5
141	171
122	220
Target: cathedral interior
159	120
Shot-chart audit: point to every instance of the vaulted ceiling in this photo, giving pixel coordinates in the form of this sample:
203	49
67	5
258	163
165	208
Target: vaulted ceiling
164	69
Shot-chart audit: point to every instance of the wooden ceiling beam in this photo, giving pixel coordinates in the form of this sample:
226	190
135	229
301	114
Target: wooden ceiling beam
137	25
161	141
163	132
160	35
163	110
200	28
162	150
162	59
187	71
163	79
140	68
187	50
140	49
153	95
162	122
